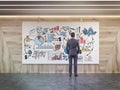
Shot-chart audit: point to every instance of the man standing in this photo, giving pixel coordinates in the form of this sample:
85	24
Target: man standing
73	49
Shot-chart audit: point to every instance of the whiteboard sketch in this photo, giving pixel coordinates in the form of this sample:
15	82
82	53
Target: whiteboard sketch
45	42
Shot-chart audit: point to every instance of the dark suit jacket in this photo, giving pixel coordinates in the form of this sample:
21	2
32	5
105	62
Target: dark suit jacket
72	47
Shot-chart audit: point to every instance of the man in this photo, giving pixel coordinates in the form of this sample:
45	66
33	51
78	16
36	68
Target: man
73	49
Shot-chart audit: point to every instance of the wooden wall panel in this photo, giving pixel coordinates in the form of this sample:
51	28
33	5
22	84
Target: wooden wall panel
11	46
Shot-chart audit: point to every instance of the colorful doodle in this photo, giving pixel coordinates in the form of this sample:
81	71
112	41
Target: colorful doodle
39	40
89	32
55	56
46	42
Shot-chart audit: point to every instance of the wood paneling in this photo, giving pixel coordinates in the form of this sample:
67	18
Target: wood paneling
11	46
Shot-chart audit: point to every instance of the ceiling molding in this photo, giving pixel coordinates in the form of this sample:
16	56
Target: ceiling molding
60	8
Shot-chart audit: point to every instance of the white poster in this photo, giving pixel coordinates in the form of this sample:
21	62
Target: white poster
45	42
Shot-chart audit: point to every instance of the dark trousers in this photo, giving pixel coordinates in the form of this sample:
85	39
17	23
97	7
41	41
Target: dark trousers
71	57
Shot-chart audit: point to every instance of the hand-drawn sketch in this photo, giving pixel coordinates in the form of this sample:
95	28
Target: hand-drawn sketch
45	42
55	56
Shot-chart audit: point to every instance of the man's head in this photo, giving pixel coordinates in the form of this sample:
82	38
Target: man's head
72	34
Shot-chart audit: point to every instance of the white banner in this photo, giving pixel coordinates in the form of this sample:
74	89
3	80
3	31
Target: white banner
45	42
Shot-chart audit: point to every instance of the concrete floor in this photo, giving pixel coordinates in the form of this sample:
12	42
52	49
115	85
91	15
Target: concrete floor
59	82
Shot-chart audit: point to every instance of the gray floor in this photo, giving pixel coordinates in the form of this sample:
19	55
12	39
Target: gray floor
59	82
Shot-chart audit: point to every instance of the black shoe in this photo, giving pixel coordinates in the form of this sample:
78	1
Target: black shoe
70	75
76	75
